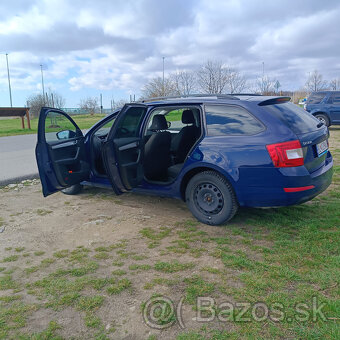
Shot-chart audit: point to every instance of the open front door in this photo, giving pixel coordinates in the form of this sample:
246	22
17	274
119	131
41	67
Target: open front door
124	148
60	151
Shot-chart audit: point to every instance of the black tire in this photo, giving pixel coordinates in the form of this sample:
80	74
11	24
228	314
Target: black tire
322	118
73	189
210	198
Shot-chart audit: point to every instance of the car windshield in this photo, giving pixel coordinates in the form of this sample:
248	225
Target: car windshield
297	119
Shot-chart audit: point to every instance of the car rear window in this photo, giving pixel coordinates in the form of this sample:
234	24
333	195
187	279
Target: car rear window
316	98
231	120
297	119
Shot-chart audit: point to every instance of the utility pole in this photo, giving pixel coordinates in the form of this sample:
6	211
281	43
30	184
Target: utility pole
101	103
42	82
163	78
263	69
9	81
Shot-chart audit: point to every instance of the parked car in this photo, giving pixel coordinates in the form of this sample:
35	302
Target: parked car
214	152
325	105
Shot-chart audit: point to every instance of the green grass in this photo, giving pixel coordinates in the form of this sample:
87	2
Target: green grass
11	127
6	282
197	286
11	258
119	272
102	255
92	321
43	212
89	303
137	266
285	256
119	286
173	267
50	333
153	234
61	253
175	115
162	282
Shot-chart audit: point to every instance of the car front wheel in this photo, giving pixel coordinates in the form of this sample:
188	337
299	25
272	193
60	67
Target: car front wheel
210	198
322	118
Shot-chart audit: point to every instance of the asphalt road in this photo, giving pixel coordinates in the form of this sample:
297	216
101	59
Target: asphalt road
17	158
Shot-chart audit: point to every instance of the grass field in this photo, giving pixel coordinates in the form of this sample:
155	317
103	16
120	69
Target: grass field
11	127
284	262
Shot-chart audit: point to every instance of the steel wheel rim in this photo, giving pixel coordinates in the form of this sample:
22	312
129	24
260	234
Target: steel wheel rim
322	120
208	198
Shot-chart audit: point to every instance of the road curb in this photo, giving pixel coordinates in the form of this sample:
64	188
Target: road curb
17	179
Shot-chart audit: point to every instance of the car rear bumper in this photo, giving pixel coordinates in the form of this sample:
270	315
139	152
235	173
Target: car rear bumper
274	196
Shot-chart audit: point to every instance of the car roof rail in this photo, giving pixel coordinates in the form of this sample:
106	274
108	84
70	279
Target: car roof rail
247	94
199	95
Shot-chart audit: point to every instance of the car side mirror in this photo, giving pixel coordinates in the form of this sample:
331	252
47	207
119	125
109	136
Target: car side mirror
66	134
169	124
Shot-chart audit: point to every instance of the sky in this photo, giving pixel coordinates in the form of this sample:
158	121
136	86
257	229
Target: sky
113	47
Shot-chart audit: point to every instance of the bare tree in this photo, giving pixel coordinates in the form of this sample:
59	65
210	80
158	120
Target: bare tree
184	82
213	77
35	102
118	104
52	99
236	81
315	82
334	84
265	85
156	88
299	94
89	105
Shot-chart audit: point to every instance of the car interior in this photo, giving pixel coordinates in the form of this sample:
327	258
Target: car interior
169	135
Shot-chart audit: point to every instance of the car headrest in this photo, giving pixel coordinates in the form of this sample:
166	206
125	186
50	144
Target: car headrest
158	123
188	117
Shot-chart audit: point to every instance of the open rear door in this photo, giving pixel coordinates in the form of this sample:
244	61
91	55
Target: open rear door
124	148
60	151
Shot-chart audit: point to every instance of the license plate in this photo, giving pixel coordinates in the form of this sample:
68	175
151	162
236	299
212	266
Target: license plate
322	148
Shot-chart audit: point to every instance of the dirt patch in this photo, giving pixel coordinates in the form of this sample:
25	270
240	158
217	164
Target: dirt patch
86	266
152	243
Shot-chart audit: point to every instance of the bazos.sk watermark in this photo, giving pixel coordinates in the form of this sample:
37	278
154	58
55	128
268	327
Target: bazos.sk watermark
161	312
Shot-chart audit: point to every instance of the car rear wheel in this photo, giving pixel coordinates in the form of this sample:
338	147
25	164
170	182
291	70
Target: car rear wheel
210	198
73	189
322	118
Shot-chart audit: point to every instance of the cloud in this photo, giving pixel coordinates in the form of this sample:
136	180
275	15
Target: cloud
108	45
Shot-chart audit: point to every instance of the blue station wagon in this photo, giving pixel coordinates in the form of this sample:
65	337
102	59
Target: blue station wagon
214	152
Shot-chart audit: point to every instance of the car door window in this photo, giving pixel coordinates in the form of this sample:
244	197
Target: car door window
129	125
58	127
336	98
316	98
105	129
175	119
231	120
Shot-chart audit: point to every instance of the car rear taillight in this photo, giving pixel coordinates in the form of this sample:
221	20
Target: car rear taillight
286	154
